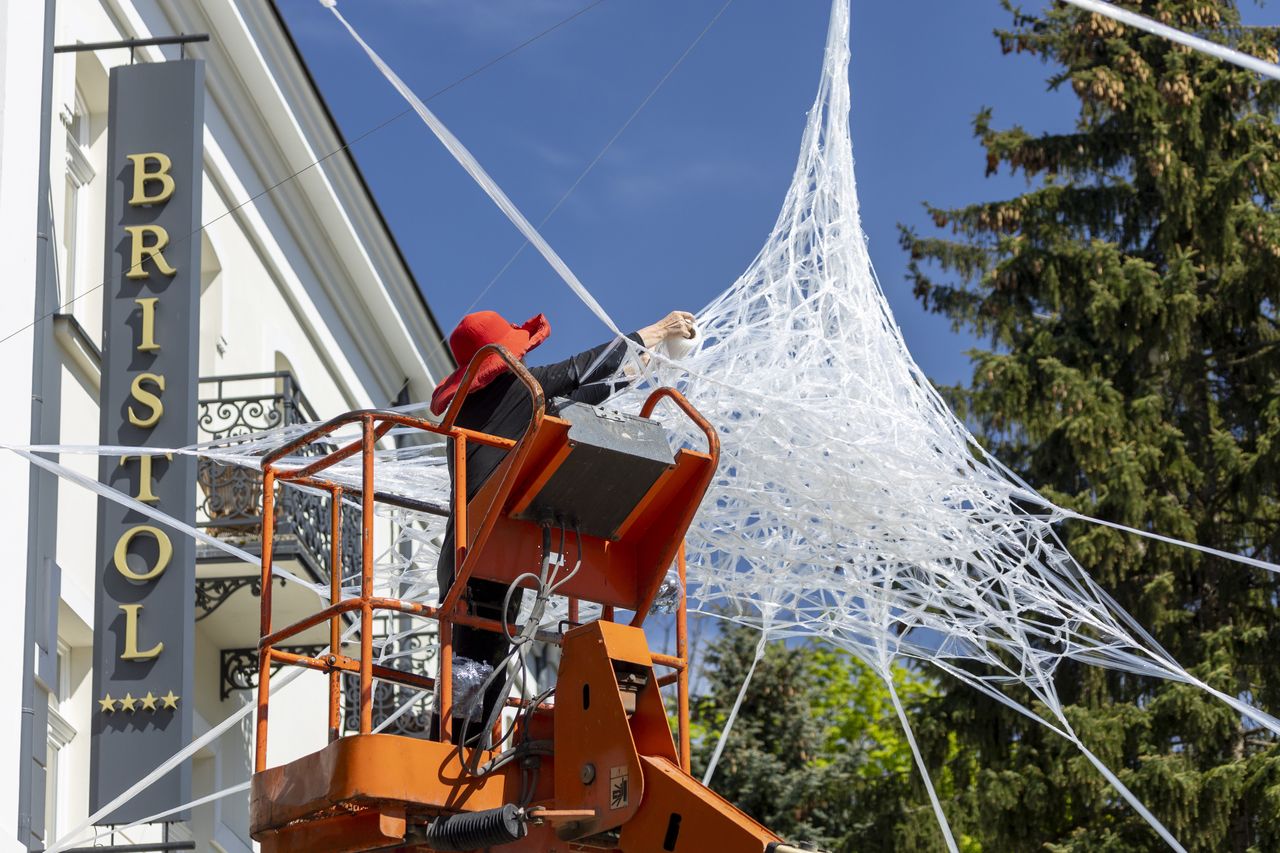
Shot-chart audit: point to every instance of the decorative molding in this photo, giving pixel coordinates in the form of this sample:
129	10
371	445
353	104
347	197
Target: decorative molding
78	165
212	593
61	732
79	347
239	669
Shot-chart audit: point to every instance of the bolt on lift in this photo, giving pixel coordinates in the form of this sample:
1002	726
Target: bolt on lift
597	768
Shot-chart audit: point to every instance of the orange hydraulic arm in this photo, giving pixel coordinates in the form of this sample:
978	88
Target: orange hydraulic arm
615	758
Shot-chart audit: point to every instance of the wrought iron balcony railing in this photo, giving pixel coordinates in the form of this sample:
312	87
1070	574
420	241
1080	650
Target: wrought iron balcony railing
230	508
397	708
230	505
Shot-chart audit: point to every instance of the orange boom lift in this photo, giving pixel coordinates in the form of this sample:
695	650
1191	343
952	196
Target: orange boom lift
597	768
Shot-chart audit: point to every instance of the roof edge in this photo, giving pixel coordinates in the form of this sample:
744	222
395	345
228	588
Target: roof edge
359	174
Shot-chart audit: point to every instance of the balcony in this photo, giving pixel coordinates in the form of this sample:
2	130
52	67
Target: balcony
228	591
229	508
230	505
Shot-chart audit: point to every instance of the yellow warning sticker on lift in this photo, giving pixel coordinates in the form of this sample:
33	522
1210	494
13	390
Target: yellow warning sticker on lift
619	787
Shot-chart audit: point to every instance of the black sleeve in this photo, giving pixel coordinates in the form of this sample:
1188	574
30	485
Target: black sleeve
566	378
597	393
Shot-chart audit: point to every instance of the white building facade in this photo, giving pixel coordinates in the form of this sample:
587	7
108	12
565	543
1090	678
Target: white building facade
307	310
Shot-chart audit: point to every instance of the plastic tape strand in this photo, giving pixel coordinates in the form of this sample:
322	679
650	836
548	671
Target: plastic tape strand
1235	57
481	177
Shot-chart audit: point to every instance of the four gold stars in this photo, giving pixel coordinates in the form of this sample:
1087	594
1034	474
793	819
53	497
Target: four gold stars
168	702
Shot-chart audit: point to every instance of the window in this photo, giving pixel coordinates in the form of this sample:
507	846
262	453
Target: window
80	172
61	733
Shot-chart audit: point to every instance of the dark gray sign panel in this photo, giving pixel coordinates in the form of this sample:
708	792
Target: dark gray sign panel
144	603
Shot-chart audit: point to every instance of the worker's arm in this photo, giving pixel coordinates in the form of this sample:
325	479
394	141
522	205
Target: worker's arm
567	378
571	377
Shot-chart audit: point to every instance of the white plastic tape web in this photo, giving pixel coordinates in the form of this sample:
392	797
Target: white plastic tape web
850	505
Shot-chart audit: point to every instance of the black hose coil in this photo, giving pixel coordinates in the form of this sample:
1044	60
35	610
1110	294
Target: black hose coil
477	830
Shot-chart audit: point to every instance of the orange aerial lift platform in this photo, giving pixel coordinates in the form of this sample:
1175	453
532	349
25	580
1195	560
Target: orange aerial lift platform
593	766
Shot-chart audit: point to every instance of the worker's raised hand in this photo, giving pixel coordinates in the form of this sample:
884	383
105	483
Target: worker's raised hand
677	324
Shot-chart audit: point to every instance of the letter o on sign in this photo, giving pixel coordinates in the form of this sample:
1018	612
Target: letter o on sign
162	560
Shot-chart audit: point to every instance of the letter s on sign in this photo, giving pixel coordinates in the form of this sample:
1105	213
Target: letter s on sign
147	399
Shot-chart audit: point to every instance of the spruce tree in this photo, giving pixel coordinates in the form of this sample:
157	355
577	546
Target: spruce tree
816	753
1130	303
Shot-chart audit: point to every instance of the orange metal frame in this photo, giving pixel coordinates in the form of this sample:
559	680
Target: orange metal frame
498	493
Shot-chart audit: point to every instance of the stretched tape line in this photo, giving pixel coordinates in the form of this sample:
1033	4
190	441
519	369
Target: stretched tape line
481	177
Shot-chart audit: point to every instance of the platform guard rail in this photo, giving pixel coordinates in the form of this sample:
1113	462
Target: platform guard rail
375	425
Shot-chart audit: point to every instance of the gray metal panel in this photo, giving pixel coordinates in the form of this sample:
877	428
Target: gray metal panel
632	434
48	591
615	461
42	504
154	108
40	763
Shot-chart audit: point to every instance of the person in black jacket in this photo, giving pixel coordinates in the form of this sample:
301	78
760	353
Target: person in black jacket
498	404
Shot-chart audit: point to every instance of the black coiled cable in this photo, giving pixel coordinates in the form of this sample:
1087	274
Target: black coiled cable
477	830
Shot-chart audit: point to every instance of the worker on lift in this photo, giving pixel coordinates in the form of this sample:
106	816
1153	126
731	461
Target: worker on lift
598	768
499	405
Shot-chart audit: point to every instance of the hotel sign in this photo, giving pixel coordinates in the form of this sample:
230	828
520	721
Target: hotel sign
144	602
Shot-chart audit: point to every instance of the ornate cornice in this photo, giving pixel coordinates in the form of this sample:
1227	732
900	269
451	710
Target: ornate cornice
239	670
212	593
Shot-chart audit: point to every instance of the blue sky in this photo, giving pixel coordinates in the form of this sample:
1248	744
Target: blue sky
683	201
